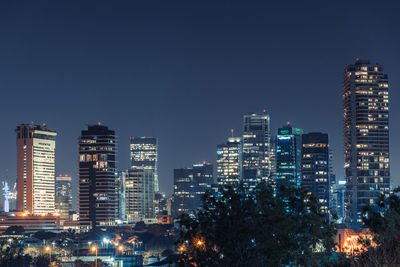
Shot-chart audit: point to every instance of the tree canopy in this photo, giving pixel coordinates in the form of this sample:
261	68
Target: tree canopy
265	227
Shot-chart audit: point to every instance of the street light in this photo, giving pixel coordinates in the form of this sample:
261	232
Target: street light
94	250
48	250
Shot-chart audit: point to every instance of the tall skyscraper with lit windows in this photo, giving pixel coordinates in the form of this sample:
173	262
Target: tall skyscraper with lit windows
315	167
144	155
98	186
288	156
229	161
36	146
366	137
256	151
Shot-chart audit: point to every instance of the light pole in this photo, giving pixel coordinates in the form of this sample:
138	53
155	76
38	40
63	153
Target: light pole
94	250
48	249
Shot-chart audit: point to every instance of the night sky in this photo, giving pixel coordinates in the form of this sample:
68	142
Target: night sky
186	71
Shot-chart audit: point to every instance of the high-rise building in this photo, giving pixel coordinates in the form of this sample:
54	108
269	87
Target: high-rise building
315	167
144	155
121	187
229	159
366	137
337	200
63	204
288	156
139	195
35	168
256	155
98	192
189	186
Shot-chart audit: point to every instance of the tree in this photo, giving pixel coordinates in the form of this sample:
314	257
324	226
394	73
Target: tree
14	230
266	227
383	220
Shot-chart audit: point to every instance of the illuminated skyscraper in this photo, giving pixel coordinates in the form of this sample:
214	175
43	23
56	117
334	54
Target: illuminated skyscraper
35	168
316	167
229	160
366	137
98	192
63	203
139	195
288	156
256	156
144	155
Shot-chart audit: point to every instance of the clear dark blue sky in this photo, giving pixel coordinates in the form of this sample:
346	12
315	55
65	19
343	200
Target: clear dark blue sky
186	71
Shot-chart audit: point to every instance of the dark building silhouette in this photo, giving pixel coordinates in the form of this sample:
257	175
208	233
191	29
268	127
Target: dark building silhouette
98	188
189	185
315	167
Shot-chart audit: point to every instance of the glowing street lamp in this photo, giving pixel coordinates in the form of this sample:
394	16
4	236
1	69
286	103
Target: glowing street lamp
181	248
48	250
94	249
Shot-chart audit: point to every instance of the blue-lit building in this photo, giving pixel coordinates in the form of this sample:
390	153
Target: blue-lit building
189	186
288	157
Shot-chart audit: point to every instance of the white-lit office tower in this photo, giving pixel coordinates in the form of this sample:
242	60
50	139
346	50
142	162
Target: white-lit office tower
256	155
144	155
366	137
35	168
229	160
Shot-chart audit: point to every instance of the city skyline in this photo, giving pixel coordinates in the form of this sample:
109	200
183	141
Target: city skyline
315	77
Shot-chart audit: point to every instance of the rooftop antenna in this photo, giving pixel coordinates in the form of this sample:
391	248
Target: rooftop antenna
232	131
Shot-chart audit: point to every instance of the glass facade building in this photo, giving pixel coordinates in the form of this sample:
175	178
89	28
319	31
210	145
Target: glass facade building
63	203
288	157
144	155
366	137
256	151
189	185
229	160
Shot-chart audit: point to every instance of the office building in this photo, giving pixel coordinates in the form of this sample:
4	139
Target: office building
139	195
144	155
229	161
98	192
190	184
63	204
36	146
315	167
366	137
256	153
288	156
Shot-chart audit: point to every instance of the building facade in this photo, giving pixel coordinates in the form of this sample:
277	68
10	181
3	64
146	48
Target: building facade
366	137
315	167
98	192
229	162
139	195
144	155
256	153
63	204
288	157
189	186
35	168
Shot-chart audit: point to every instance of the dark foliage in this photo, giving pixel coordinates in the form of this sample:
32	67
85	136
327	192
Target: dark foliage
264	228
